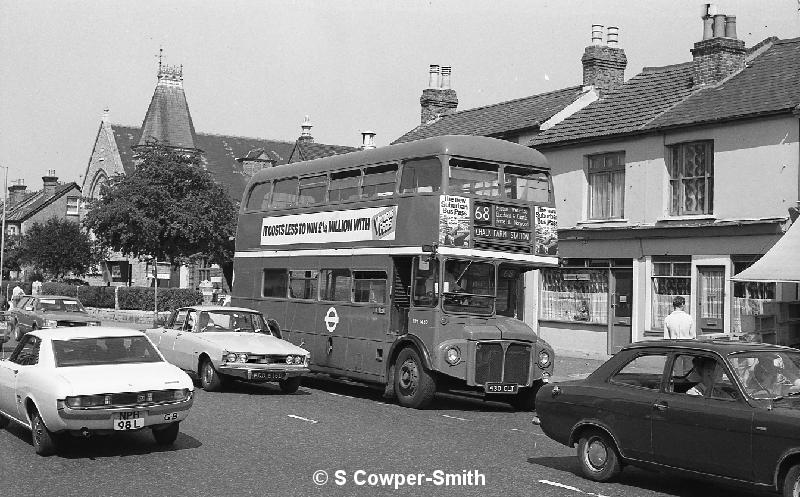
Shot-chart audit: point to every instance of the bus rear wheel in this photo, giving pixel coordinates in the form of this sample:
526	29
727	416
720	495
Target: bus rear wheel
413	384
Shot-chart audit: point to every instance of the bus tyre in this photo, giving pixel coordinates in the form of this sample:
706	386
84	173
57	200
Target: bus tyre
289	385
210	380
413	385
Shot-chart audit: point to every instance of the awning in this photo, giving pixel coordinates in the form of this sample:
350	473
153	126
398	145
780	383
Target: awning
781	263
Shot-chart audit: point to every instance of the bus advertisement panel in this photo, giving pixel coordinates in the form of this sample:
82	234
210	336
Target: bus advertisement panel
404	265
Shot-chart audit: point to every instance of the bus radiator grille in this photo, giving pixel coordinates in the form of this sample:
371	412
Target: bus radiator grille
518	358
488	362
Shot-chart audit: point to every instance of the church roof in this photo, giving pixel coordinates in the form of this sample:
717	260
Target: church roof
168	120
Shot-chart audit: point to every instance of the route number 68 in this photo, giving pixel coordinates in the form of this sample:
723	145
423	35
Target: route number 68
483	213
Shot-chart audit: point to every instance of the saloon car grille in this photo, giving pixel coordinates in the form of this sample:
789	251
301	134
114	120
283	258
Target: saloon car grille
69	324
266	359
493	364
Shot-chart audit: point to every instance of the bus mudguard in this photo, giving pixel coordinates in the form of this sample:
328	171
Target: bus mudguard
409	340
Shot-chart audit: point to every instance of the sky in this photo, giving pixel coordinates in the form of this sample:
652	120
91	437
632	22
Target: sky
255	68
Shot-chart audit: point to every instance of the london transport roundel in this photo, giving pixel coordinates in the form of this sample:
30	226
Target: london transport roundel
331	319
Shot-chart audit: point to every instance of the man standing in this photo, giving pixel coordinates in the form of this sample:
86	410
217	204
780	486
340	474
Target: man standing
679	324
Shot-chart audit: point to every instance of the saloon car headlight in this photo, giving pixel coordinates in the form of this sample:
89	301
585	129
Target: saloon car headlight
49	323
181	395
93	323
298	359
452	355
241	357
289	359
230	357
544	358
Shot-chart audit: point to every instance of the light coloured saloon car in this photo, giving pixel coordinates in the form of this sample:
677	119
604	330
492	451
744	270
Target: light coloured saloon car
91	380
220	343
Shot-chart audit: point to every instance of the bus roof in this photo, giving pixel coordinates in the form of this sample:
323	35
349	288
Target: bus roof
473	147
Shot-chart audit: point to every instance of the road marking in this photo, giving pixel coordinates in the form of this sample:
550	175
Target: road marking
340	395
302	418
453	417
569	487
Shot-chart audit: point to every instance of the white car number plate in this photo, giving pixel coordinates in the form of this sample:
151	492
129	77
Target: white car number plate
132	420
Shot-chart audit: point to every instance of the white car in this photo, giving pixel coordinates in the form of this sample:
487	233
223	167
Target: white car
217	343
91	380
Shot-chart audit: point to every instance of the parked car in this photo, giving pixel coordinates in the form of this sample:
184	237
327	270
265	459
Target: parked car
724	409
85	381
36	312
219	343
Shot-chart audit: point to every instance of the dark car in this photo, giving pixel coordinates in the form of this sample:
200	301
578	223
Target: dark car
724	409
34	312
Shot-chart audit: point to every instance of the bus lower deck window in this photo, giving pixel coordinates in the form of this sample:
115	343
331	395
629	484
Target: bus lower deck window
369	286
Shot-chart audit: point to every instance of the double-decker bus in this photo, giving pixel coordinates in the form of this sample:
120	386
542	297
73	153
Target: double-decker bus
403	265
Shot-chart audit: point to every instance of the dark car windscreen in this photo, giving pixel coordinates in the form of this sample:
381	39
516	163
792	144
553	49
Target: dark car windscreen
232	321
105	350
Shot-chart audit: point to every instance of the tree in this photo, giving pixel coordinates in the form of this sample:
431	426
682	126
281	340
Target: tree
168	208
57	248
12	254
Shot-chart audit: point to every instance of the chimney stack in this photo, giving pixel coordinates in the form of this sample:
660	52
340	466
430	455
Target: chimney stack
49	183
305	130
16	192
720	53
367	140
438	99
604	64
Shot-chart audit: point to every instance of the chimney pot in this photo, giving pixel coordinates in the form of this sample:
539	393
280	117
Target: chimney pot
708	27
613	36
730	27
367	140
719	25
433	76
445	83
597	34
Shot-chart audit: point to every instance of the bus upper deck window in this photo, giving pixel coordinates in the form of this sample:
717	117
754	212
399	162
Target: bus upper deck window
284	194
525	185
421	175
344	185
259	197
379	181
477	178
312	190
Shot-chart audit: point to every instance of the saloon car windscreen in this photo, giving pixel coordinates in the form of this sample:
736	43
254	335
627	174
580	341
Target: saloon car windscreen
60	305
106	350
232	321
768	374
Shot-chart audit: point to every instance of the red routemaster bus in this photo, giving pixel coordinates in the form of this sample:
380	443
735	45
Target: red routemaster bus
403	265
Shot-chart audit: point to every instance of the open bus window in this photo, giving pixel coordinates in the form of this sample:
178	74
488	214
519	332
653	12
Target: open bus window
335	285
525	185
379	180
303	284
312	190
477	178
421	176
369	286
425	287
275	283
509	285
284	194
468	286
259	197
344	185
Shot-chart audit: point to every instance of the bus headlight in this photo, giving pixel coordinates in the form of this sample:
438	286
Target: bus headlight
452	355
544	358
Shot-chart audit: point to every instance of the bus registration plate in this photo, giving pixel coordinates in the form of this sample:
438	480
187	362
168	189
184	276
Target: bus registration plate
501	388
266	375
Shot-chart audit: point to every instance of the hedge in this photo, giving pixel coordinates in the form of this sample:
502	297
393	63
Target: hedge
141	298
56	288
96	296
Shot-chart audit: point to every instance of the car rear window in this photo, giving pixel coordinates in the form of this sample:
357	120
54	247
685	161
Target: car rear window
105	350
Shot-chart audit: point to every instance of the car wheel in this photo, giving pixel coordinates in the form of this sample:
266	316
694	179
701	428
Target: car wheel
44	441
791	484
210	379
414	386
290	385
598	457
168	435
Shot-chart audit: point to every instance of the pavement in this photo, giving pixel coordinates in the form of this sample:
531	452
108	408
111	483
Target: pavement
573	368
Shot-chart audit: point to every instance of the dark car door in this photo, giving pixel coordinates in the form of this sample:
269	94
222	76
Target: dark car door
710	433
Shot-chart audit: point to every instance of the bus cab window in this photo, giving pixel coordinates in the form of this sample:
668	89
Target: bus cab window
369	286
312	190
275	283
425	287
284	193
477	178
344	185
335	285
524	185
379	181
259	197
421	176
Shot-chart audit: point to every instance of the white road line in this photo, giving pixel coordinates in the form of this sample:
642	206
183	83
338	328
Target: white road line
302	418
453	417
340	395
568	487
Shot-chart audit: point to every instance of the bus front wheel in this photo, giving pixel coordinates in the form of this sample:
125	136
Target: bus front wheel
413	385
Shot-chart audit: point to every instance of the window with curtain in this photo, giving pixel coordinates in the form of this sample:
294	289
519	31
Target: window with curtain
671	277
606	176
691	178
574	295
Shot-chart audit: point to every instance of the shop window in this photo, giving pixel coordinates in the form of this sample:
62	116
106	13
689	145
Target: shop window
369	286
606	177
421	176
275	283
750	298
671	277
574	295
476	178
335	285
303	284
691	178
